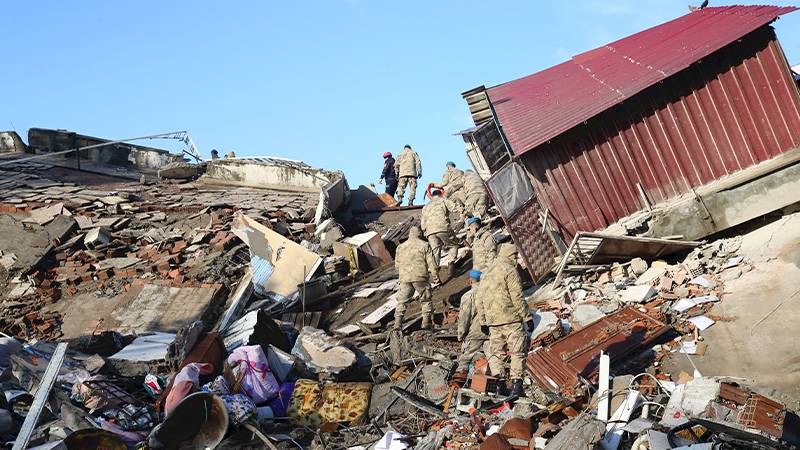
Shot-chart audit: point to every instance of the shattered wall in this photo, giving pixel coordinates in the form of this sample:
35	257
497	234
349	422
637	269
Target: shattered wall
125	155
10	142
271	173
281	174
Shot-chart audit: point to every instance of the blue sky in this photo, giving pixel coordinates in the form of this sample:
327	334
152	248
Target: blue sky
334	83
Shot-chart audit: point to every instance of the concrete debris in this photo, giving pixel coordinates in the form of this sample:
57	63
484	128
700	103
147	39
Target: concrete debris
650	275
285	264
322	353
263	291
586	314
45	214
637	294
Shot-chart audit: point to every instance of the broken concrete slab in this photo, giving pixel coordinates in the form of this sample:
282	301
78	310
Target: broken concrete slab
580	434
586	314
544	322
95	237
117	263
651	275
7	260
45	214
291	263
84	222
637	294
638	266
152	307
322	353
436	383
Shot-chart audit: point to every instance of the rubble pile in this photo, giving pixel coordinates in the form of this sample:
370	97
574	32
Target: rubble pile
133	304
104	240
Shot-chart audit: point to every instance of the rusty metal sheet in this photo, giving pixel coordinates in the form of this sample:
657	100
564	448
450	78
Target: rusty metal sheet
536	108
755	410
562	365
380	202
734	110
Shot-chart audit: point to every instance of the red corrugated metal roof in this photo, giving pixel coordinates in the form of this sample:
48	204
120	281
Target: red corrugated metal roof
536	108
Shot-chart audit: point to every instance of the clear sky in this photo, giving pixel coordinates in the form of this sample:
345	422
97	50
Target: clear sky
334	83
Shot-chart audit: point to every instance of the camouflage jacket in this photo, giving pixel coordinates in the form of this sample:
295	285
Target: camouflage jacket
414	261
499	297
469	324
435	216
473	185
452	180
408	164
484	249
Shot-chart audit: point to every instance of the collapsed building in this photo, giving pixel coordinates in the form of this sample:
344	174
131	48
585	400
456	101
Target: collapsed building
686	128
140	288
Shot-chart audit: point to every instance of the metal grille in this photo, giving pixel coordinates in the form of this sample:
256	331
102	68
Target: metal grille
535	246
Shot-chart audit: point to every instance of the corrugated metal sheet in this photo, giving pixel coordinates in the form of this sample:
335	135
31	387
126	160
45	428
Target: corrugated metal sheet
534	109
262	271
737	108
562	365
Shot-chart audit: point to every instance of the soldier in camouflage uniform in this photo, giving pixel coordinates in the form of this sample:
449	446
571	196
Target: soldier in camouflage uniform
435	221
504	311
473	339
417	269
484	247
476	199
453	183
408	167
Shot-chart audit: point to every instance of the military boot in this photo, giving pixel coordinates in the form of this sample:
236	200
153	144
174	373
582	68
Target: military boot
500	389
451	270
516	388
426	322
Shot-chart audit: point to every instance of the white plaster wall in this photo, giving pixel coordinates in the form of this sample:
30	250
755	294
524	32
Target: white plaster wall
265	175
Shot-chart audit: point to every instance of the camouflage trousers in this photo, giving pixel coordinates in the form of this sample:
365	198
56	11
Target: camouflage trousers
476	205
412	189
405	295
472	349
457	197
439	240
509	337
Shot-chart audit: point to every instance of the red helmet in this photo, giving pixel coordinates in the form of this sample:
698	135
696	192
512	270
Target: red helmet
387	154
